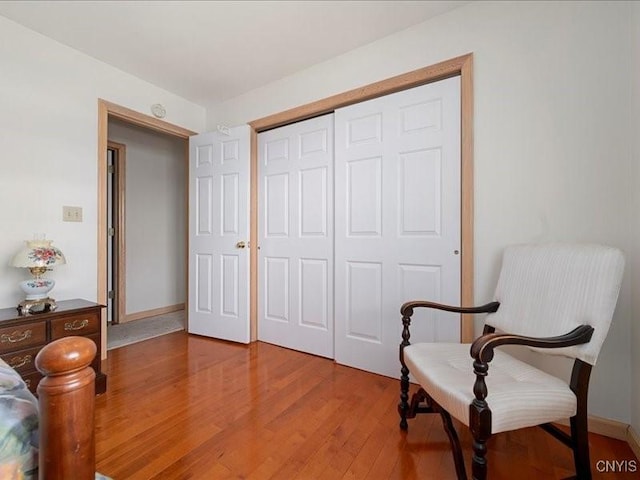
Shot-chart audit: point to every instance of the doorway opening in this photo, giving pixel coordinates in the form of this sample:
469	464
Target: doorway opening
149	230
108	111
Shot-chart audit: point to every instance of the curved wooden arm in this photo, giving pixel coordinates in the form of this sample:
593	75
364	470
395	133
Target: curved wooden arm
66	397
407	308
407	312
482	347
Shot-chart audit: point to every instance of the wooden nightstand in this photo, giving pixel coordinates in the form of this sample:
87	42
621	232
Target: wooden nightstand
22	336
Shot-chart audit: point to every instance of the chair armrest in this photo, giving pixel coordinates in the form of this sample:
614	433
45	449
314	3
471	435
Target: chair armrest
407	308
482	353
482	347
407	311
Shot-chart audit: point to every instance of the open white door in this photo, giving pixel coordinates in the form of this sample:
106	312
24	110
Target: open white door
219	234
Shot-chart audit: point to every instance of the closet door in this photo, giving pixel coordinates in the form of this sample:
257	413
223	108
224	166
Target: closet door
295	267
397	222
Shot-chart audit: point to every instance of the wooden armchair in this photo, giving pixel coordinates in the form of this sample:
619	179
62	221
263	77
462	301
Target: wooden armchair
556	299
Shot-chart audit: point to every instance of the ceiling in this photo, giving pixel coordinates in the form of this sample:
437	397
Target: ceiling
210	51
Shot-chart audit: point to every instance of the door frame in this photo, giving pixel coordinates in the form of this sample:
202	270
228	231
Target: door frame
108	109
460	66
118	213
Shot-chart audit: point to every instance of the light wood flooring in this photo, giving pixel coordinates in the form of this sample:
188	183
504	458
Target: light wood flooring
188	407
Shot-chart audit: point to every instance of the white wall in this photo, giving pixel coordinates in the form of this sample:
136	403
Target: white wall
552	161
48	133
155	228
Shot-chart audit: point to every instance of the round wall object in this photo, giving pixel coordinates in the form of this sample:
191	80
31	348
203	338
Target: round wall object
158	110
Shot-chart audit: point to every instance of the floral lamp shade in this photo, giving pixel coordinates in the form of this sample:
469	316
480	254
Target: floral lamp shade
38	256
38	253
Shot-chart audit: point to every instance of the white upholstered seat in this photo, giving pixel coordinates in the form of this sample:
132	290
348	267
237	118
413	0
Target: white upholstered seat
519	394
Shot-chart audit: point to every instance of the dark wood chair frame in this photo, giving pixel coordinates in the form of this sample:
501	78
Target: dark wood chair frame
482	351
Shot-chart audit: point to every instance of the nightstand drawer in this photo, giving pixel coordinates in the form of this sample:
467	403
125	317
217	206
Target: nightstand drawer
80	325
22	361
23	336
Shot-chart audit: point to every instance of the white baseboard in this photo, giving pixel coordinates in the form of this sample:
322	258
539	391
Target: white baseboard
152	313
613	429
604	426
633	439
608	428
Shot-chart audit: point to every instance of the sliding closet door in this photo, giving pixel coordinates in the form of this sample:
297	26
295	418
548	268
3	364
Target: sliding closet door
397	222
295	267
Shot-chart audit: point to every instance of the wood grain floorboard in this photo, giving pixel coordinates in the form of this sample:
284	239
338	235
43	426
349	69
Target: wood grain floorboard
189	407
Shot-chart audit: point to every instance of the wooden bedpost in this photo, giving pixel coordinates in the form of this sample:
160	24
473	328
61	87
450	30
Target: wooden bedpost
66	397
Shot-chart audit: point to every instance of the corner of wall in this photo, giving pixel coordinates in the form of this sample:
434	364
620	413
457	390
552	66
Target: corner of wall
633	439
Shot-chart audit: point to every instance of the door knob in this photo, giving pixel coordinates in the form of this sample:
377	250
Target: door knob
241	245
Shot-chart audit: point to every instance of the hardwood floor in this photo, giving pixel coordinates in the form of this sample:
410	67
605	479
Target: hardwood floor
187	407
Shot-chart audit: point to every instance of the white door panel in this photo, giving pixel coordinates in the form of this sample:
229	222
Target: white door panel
397	221
295	286
218	220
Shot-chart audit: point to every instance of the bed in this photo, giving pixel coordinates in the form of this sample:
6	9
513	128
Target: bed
51	437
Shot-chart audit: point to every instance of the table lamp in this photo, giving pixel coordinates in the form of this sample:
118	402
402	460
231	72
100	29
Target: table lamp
38	256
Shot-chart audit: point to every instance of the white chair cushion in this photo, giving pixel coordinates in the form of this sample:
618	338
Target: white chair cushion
519	395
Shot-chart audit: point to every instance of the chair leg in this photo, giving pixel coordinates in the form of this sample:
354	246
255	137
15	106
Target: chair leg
421	402
409	410
403	406
579	430
479	422
456	450
479	460
580	437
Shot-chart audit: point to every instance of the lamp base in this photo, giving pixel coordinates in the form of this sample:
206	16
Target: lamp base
40	305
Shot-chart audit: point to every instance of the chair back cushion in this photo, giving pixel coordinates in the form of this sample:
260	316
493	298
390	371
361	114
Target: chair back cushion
550	289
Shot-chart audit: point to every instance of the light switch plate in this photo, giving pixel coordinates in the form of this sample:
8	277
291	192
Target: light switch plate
71	214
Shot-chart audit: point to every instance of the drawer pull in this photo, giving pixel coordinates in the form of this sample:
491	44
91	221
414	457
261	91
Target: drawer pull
76	325
28	382
15	337
17	362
